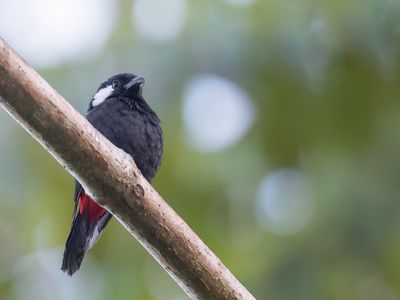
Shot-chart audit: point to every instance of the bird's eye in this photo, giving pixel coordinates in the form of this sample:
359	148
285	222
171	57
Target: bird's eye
115	84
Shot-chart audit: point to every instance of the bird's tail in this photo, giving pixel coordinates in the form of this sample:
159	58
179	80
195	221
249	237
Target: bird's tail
77	244
84	233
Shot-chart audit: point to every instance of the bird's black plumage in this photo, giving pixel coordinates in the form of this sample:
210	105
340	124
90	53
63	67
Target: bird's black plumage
119	111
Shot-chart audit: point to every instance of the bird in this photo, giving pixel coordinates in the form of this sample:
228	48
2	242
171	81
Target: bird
119	112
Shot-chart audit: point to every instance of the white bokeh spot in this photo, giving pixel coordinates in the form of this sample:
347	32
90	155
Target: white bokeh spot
39	270
240	3
47	33
284	202
159	20
216	112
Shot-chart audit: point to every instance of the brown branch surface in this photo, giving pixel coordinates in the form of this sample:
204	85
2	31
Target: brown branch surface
111	177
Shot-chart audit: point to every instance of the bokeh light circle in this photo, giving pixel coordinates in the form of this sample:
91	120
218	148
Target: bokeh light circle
52	283
216	113
284	202
159	20
49	32
240	3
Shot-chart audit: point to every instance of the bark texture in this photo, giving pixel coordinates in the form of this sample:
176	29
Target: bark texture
111	177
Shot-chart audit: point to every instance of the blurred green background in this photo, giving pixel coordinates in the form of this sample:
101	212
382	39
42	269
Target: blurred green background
282	143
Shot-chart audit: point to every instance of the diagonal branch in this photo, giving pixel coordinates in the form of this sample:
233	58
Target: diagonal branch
111	177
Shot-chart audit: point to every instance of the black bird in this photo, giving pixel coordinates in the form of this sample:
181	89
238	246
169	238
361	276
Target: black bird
119	111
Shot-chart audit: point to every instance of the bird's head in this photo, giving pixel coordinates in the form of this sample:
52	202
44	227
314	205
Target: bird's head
121	85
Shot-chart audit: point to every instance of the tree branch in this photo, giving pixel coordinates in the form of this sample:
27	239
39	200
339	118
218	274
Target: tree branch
111	177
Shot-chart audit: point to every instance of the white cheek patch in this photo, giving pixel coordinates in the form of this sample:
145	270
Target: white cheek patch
102	95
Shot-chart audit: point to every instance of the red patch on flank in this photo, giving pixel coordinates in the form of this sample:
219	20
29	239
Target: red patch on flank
94	210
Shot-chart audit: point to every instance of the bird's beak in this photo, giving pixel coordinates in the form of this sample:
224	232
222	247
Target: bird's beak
137	81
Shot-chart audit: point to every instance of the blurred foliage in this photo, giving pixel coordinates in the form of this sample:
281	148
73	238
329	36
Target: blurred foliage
324	78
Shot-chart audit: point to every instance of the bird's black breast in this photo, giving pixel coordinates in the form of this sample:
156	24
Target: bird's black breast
135	130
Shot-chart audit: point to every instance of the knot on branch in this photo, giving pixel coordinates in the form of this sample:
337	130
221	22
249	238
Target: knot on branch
139	191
